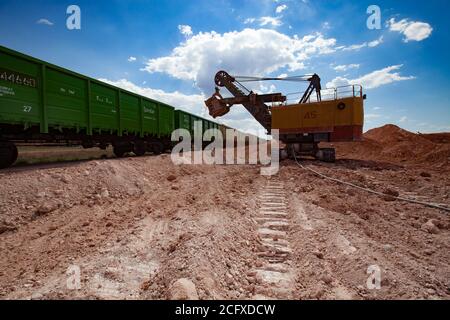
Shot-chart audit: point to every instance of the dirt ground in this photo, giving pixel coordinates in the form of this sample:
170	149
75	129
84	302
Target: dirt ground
47	154
144	228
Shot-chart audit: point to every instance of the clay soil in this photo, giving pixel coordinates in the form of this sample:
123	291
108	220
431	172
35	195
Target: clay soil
144	228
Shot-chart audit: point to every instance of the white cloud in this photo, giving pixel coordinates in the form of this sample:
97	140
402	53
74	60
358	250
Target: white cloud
274	21
345	67
372	80
131	59
45	21
247	52
355	47
370	44
281	8
412	30
338	82
265	21
369	117
266	88
192	103
375	43
185	30
403	119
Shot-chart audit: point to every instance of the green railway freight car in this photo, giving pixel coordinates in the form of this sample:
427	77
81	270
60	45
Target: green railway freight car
183	120
207	124
41	102
196	120
186	120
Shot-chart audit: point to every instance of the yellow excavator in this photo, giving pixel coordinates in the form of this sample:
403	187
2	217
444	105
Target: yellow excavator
331	115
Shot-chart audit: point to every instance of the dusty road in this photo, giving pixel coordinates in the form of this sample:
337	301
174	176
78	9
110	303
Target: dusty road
132	228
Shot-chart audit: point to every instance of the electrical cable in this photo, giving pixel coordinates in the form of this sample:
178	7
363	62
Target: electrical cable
427	204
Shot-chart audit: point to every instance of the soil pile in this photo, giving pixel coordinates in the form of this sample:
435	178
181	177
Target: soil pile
393	144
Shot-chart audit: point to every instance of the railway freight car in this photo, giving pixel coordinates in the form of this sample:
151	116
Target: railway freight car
188	121
41	102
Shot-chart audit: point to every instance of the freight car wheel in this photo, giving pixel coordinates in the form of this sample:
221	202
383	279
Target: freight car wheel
119	152
157	148
8	154
139	148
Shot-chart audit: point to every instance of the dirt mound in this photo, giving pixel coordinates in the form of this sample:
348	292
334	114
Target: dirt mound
393	144
391	133
443	138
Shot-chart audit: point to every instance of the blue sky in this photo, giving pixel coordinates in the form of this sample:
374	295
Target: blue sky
170	50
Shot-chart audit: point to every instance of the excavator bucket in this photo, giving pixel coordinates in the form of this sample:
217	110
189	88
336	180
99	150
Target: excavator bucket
216	106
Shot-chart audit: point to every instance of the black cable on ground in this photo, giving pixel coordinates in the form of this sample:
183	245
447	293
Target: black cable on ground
427	204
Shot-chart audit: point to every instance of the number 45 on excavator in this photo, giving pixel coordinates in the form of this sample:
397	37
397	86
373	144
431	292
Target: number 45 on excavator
331	115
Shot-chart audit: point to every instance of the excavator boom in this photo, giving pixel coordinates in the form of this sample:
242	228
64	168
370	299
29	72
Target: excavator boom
302	125
254	103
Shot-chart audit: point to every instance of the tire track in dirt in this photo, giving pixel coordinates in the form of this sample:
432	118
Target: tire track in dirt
116	270
127	266
275	276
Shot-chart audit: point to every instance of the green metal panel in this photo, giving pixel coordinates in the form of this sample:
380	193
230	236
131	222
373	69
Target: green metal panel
43	108
88	105
196	121
34	92
141	118
104	108
65	100
150	117
119	117
207	124
166	119
20	97
129	113
183	120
